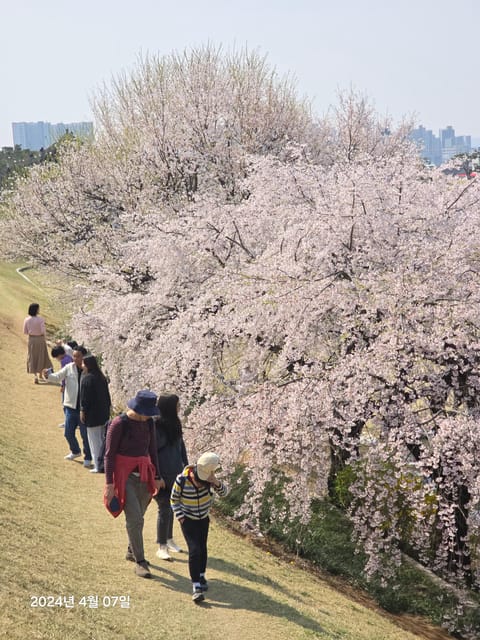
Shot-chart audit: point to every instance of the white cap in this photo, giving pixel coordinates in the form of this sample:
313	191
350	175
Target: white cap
206	464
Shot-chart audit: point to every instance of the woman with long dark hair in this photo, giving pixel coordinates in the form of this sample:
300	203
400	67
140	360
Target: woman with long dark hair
34	328
172	458
95	405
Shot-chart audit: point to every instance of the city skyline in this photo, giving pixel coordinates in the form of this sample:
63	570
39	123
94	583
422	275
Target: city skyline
41	135
397	54
440	149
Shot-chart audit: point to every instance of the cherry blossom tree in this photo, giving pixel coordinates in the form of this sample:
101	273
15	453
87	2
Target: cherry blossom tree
308	288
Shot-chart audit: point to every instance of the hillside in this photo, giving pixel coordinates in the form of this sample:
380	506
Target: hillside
59	541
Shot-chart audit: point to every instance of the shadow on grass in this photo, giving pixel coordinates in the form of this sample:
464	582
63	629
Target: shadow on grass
226	595
257	578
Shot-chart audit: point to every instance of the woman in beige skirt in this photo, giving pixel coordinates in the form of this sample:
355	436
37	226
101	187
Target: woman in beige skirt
38	358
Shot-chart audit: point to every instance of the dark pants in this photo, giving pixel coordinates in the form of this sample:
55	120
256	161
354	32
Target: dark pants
165	515
196	533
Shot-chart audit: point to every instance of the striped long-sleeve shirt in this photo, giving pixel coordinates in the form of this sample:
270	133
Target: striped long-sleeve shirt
189	501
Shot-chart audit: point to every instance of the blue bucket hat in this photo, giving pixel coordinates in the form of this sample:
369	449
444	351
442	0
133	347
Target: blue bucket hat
144	403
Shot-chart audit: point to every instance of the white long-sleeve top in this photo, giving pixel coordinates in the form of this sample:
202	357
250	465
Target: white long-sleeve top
70	374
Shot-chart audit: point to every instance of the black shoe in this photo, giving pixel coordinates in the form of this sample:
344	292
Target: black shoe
198	595
203	584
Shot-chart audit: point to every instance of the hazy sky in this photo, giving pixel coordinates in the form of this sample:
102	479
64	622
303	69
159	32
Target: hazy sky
416	57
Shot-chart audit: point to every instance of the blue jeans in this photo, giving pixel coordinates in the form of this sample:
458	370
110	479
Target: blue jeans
72	421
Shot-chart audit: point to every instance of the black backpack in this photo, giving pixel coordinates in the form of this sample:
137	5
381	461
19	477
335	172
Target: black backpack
100	463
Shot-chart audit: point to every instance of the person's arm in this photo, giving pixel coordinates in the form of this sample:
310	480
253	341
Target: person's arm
86	393
152	451
25	326
175	500
113	437
184	454
218	485
109	399
55	378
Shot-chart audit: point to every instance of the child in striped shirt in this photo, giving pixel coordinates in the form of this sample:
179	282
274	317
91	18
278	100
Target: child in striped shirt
191	498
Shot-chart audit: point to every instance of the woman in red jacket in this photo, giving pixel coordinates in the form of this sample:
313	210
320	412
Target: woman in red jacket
132	472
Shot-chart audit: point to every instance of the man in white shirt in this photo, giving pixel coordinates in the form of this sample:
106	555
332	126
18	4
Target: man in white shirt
71	374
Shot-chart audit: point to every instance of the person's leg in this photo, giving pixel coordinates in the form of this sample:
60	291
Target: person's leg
71	421
137	499
191	532
171	544
86	446
164	511
95	440
202	541
162	499
169	526
194	532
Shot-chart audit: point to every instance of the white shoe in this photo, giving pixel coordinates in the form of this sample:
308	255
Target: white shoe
87	463
93	470
72	456
173	546
62	425
162	552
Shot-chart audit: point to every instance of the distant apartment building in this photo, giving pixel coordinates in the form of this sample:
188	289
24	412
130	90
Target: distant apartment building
438	150
40	135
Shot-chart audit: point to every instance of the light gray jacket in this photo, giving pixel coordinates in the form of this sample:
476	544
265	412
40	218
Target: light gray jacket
69	373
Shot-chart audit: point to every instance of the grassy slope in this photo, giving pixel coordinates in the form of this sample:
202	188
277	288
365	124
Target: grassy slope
57	539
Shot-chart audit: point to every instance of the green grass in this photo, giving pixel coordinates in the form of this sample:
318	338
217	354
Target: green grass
58	540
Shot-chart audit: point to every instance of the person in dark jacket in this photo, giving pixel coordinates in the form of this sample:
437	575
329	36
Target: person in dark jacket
172	458
95	406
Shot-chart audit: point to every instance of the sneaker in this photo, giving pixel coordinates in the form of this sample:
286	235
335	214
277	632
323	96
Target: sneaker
198	595
131	558
94	470
87	463
142	570
72	456
173	546
62	426
162	552
203	584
